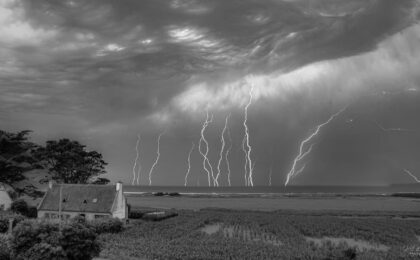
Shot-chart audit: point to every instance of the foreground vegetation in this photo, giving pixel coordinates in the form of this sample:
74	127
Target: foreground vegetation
261	235
32	239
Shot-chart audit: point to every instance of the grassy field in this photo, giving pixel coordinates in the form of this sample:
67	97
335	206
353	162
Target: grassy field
234	234
351	203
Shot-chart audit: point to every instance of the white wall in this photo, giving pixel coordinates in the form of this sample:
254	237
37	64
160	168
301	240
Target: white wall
88	216
119	209
5	200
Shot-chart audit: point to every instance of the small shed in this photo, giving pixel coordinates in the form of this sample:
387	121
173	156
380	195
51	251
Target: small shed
88	201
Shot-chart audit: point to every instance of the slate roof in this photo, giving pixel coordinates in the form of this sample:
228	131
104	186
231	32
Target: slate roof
80	198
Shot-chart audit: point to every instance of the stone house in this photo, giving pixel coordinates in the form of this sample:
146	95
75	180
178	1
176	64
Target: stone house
88	201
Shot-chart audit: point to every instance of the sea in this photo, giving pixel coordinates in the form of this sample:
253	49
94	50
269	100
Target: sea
275	190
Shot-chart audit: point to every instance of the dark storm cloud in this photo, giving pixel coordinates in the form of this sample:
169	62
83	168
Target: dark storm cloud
114	54
109	66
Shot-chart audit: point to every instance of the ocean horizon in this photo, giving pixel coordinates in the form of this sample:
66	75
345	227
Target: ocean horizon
301	189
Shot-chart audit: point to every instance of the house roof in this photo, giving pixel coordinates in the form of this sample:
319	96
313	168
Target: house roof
80	198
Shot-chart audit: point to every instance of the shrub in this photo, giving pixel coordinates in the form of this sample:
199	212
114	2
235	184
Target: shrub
4	221
4	248
4	225
110	225
78	219
45	251
12	194
33	240
20	206
157	216
136	214
32	212
79	242
350	253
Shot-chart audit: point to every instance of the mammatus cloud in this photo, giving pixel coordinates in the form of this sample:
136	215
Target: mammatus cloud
391	67
102	70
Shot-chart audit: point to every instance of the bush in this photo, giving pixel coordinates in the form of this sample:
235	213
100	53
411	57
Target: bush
136	214
4	221
33	240
79	242
110	225
350	253
32	212
4	225
12	194
20	206
79	219
4	248
159	216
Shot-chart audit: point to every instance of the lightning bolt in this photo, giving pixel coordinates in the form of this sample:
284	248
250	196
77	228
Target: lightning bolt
412	175
248	180
303	152
246	161
270	174
157	158
204	154
222	140
189	164
135	161
227	157
300	170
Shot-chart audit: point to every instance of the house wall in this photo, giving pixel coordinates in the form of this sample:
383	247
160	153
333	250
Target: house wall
120	209
42	214
5	200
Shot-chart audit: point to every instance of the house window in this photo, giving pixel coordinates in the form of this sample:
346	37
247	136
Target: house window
54	216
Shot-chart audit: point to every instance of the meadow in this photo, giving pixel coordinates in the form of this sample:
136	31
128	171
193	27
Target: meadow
236	234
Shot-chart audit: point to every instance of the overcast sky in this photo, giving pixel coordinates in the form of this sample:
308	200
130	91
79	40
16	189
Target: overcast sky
103	71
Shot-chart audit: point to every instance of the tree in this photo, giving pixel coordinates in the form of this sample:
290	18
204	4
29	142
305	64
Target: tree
20	206
101	181
15	150
69	162
10	173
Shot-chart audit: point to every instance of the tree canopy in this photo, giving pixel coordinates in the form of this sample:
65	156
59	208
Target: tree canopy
16	155
66	160
70	162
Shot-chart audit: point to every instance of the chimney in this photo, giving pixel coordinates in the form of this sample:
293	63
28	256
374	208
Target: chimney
118	186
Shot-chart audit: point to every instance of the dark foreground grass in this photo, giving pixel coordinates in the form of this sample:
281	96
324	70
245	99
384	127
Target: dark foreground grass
249	235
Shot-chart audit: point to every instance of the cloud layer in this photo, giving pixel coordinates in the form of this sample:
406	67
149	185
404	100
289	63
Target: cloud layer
114	68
